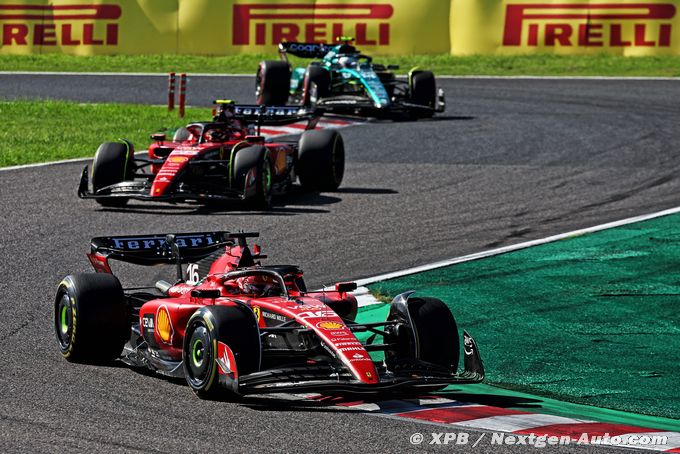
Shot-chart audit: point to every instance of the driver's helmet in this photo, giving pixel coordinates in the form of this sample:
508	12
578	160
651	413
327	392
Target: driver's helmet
346	62
227	111
259	285
216	135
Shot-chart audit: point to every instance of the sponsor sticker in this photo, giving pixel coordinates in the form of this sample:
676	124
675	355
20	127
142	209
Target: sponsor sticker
278	317
130	243
147	321
258	313
468	346
351	349
330	325
316	314
347	343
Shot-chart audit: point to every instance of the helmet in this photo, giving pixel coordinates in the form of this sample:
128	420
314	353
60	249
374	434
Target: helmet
216	135
259	285
346	61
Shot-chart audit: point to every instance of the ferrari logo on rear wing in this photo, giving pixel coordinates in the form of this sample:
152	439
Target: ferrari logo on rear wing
154	249
266	115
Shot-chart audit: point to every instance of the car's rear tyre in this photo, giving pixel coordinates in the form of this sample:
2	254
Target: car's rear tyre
321	160
112	164
436	332
91	318
317	84
272	83
234	326
253	173
423	91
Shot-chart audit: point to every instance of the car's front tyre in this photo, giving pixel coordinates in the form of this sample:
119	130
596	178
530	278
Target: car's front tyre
232	326
321	160
113	163
253	174
423	91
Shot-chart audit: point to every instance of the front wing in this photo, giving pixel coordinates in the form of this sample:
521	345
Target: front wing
364	106
329	378
414	376
141	190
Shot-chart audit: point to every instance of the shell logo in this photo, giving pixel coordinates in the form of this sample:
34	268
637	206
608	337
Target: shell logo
164	325
330	325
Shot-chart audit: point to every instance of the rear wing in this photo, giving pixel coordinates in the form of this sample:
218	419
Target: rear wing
156	249
303	50
266	115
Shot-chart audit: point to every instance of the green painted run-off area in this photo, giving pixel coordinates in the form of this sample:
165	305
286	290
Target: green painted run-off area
593	319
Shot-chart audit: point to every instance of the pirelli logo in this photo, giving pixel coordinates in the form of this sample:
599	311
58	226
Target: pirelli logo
262	24
589	25
59	25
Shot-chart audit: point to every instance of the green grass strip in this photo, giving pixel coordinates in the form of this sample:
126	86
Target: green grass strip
591	320
538	65
39	131
491	395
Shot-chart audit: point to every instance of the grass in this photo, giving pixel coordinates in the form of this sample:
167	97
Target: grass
591	320
539	65
38	131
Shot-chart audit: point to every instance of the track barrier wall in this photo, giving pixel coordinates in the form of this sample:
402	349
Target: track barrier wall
383	27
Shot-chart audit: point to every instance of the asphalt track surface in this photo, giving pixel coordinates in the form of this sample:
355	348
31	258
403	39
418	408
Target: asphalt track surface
510	160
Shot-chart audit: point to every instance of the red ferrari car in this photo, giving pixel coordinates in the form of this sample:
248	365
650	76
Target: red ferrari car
239	327
221	160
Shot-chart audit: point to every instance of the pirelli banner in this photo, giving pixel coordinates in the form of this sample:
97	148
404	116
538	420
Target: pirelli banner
622	27
381	27
219	27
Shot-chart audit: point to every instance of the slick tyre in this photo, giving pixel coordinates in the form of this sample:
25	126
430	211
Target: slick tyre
317	85
112	164
253	174
436	332
423	90
234	326
272	83
91	318
321	160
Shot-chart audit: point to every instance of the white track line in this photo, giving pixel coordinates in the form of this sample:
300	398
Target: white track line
45	164
135	74
514	247
512	423
528	77
75	73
